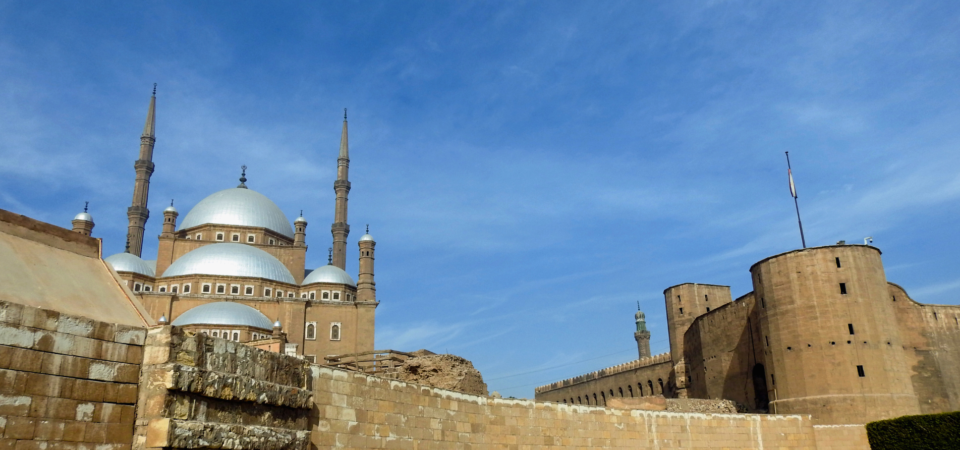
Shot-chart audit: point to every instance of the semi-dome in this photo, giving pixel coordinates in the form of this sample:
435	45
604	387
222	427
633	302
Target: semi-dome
224	313
127	262
238	206
236	260
83	216
329	274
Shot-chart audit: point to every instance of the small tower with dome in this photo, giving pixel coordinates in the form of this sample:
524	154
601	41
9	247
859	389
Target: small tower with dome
83	222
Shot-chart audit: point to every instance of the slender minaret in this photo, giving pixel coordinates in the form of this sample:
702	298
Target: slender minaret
169	220
340	229
642	335
300	235
366	287
83	222
138	212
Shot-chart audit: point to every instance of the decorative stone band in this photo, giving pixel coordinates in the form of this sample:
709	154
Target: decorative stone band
171	433
226	386
635	364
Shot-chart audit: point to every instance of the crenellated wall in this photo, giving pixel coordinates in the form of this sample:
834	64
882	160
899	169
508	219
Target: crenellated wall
638	378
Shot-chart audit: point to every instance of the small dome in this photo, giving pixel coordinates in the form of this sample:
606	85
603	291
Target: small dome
238	206
127	262
329	274
366	237
639	315
224	313
236	260
83	216
300	220
170	209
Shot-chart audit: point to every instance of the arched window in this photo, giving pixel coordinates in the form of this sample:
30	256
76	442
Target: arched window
660	381
604	397
640	389
594	398
311	331
630	388
564	401
236	336
650	383
335	332
579	401
621	391
611	393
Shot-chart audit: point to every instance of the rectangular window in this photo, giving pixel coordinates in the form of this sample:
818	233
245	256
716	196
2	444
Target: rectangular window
768	340
843	288
136	287
272	241
313	295
303	295
236	336
681	311
773	381
266	292
235	238
175	288
325	295
235	289
219	236
850	328
763	303
312	359
678	299
860	371
186	288
279	293
311	331
706	298
147	288
215	333
248	290
708	309
838	262
336	296
290	295
163	289
205	289
199	236
250	238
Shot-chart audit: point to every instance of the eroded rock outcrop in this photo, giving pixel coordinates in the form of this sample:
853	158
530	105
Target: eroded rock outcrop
443	371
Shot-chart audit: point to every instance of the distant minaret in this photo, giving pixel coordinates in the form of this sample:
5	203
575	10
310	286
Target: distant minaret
340	229
138	212
642	335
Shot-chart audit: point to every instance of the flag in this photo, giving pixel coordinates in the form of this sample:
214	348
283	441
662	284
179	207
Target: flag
793	189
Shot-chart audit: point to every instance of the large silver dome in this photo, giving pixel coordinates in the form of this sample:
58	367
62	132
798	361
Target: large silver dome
127	262
224	313
238	206
237	260
329	274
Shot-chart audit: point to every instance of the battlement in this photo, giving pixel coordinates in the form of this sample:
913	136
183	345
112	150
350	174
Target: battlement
635	364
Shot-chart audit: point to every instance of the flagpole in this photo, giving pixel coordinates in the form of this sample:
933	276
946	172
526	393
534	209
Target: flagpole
793	193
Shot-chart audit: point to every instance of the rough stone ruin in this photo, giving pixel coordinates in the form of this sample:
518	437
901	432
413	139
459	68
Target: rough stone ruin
442	371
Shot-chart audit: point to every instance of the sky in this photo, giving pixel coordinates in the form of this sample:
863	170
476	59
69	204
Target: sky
531	170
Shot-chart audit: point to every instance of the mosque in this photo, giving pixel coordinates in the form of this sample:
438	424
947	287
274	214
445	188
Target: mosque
235	268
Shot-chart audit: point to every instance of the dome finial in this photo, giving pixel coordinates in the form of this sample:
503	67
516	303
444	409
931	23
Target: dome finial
330	256
638	305
243	177
344	114
127	249
163	320
368	228
85	205
154	89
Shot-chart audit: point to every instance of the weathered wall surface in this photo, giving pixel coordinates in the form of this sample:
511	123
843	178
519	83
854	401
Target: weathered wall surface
638	378
66	381
724	355
931	340
199	391
362	411
841	437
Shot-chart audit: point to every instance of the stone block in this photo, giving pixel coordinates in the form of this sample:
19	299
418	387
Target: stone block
126	393
40	384
15	405
12	382
73	431
39	318
10	312
130	335
49	430
20	428
7	444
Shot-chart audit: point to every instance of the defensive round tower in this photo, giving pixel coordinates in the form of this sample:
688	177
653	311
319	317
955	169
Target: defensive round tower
832	347
642	336
685	302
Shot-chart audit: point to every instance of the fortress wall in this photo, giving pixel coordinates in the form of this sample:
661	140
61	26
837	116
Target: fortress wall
362	411
66	381
931	337
684	303
722	349
638	379
841	437
817	335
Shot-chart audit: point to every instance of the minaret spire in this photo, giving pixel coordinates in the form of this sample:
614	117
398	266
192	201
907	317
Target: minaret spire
340	229
138	213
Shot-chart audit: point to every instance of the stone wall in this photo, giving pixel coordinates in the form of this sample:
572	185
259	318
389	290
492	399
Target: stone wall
199	391
66	381
362	411
638	378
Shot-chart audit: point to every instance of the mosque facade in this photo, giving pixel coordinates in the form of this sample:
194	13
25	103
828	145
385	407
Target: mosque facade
234	267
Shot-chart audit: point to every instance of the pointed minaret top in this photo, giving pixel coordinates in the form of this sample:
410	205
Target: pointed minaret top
344	146
243	177
149	128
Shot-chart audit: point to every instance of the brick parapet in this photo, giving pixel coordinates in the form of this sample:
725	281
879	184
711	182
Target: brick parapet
612	370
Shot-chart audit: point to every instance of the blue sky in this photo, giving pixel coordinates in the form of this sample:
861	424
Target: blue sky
530	170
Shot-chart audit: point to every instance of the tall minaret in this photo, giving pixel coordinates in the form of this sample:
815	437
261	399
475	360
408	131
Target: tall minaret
642	335
340	229
138	212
